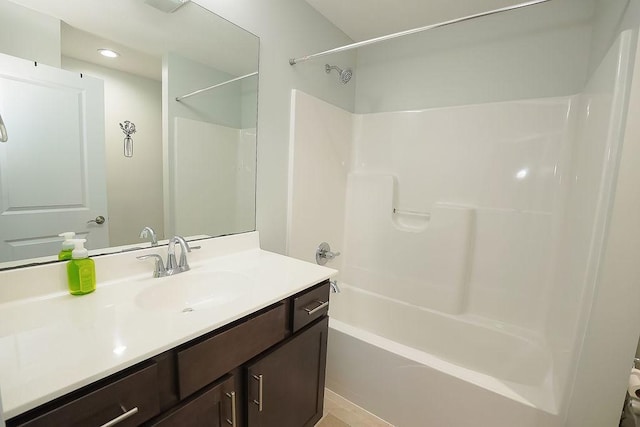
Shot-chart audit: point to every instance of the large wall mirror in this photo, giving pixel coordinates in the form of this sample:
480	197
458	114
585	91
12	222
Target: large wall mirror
161	136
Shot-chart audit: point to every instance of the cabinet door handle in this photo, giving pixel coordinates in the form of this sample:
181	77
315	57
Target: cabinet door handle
322	305
259	401
119	419
232	421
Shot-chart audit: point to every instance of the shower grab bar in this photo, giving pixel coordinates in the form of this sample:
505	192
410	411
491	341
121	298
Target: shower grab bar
199	91
427	215
3	131
294	61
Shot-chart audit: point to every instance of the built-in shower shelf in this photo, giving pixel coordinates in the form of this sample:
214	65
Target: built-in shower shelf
425	251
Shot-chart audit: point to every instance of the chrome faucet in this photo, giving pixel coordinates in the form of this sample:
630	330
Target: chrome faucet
173	267
183	265
148	232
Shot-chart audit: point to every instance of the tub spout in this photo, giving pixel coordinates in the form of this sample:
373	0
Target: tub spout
334	286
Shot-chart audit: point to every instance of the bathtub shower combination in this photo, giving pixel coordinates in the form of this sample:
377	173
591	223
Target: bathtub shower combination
470	239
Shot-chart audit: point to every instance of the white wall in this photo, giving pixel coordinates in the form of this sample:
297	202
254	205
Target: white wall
321	145
28	34
611	325
542	51
487	249
222	106
287	28
249	103
214	178
594	156
134	185
245	209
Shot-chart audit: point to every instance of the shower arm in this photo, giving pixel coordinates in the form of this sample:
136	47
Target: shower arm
294	61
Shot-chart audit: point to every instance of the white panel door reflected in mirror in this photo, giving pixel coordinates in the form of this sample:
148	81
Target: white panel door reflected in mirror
52	172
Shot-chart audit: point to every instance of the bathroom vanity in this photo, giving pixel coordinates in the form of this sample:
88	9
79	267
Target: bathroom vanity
255	357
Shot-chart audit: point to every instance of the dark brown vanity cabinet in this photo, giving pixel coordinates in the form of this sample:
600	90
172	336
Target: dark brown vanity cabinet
129	397
285	387
216	405
264	370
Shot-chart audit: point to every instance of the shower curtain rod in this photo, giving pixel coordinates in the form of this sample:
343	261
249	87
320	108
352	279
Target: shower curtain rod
294	61
180	98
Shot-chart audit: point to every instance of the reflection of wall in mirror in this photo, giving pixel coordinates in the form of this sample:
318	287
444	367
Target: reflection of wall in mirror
28	34
210	150
134	185
214	180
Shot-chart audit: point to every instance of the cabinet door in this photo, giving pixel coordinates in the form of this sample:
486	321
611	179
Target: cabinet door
215	406
286	386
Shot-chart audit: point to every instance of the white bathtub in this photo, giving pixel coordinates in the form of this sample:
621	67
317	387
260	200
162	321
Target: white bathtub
416	367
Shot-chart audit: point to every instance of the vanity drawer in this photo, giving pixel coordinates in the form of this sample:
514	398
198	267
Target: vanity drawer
204	362
133	398
310	305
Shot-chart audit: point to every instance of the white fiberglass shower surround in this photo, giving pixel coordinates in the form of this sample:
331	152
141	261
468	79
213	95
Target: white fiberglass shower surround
469	196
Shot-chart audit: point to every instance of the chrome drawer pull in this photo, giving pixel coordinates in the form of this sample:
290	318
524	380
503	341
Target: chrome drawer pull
127	414
318	308
232	396
259	401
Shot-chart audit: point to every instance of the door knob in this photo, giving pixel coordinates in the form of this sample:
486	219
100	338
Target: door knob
99	220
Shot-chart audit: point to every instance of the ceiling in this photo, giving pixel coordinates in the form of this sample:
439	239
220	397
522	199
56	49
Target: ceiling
365	19
143	34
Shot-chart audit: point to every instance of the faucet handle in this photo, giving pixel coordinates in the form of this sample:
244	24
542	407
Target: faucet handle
159	270
324	254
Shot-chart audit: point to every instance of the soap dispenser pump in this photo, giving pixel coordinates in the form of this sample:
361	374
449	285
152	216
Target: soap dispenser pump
81	270
67	245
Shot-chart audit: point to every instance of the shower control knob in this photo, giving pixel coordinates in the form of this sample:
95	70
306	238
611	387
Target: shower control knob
324	254
99	220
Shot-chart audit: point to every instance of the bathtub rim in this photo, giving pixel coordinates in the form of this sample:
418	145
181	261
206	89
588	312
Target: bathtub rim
548	405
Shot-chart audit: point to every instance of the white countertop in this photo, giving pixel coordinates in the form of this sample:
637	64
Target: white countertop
52	343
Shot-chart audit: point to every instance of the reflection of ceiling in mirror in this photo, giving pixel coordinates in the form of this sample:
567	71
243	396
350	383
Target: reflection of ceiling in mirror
81	45
198	36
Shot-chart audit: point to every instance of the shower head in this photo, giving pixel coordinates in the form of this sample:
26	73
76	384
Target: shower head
345	75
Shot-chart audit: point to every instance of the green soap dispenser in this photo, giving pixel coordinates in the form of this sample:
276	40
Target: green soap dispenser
81	270
67	245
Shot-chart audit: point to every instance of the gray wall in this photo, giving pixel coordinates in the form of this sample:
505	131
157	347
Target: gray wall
134	185
221	106
287	28
28	34
540	51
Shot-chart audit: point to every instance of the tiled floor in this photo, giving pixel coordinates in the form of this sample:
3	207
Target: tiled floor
339	412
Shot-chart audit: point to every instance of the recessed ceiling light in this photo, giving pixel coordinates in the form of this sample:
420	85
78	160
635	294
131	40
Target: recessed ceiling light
108	53
167	6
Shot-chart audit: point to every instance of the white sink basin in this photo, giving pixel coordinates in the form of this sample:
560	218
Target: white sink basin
192	291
